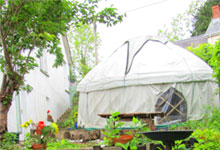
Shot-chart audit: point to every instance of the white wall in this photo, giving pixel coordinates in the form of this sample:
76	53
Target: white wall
49	92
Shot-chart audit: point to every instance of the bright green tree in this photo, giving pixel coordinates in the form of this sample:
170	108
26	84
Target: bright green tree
211	55
28	28
82	48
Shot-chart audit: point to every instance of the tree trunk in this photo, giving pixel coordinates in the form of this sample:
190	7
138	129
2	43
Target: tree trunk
6	96
95	44
3	118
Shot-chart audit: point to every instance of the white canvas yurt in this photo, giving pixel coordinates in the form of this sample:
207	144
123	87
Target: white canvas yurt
141	73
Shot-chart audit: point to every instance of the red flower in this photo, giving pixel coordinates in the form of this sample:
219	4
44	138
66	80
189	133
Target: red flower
48	111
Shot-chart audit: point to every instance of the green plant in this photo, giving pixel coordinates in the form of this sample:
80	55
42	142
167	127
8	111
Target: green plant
180	146
112	129
211	55
206	130
9	141
210	120
215	62
46	132
139	138
70	122
39	135
62	144
29	141
207	139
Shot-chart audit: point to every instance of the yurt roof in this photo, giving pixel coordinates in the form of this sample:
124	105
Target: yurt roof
146	60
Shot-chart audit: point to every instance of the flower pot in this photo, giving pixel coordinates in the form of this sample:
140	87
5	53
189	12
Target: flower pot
123	139
39	146
49	118
38	131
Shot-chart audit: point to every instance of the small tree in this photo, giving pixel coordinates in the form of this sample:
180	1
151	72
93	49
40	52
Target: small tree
82	47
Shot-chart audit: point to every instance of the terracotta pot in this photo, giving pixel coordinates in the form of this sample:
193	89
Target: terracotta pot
38	131
39	146
123	139
49	118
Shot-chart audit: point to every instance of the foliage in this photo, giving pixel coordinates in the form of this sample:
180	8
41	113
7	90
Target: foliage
215	62
195	21
9	141
82	49
70	122
139	138
112	129
206	130
204	51
203	17
29	141
210	120
207	139
139	127
181	25
180	146
62	144
211	55
30	27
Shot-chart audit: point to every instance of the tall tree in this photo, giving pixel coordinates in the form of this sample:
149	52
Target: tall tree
203	17
28	28
181	25
82	47
108	16
194	21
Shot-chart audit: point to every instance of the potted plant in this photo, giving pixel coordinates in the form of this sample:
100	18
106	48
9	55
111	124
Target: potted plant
138	141
49	116
40	133
112	133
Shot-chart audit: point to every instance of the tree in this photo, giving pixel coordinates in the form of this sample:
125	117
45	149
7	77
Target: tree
108	16
181	25
82	49
28	28
203	17
194	21
211	55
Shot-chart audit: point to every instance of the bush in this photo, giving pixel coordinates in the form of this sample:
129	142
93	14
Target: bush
9	141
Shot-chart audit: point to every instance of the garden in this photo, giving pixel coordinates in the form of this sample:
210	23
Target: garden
206	135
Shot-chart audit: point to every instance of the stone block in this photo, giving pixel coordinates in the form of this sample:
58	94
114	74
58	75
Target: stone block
112	148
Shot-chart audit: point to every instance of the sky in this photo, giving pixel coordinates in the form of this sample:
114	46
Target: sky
144	17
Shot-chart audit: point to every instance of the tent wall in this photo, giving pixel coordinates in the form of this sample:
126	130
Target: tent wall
143	99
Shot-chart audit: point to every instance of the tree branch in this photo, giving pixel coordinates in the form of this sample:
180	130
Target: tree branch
7	57
16	12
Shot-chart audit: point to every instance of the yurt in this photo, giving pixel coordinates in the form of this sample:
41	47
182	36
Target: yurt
147	74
